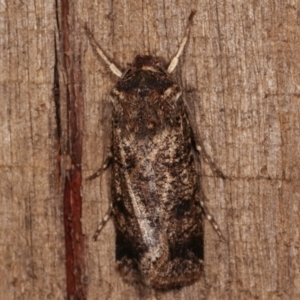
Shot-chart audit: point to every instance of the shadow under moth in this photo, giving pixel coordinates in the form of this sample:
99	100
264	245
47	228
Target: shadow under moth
157	200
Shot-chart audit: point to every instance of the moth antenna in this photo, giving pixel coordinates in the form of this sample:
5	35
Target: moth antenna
175	59
98	51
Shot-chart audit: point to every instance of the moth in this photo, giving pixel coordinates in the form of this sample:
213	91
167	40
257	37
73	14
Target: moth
157	200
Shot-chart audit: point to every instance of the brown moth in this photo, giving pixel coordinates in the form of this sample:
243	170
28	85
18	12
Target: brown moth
157	200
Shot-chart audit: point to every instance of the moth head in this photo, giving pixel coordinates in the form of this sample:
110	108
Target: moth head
146	63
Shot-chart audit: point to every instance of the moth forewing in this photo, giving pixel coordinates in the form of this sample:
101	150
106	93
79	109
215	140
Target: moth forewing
157	200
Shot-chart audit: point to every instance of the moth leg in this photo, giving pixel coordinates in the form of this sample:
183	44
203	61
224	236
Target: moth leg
108	214
175	59
219	173
209	216
201	151
106	164
103	223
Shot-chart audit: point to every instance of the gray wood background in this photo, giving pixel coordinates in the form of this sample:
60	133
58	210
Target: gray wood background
240	73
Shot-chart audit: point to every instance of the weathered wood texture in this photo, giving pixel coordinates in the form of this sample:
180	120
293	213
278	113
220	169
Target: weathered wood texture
240	73
32	259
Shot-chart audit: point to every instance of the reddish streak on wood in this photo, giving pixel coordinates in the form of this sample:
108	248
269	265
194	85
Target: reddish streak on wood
74	238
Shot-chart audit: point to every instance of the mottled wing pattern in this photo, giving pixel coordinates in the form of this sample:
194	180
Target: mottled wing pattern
155	186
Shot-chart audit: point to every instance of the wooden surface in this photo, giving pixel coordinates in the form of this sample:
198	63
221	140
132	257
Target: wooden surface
240	74
32	238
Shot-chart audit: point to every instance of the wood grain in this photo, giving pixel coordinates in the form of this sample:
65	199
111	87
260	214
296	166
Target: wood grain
240	73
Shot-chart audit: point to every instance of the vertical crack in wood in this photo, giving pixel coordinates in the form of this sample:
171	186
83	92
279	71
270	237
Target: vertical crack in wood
73	99
57	96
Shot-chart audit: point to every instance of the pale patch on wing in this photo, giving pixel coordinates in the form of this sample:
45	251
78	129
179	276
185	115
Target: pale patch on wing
148	232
